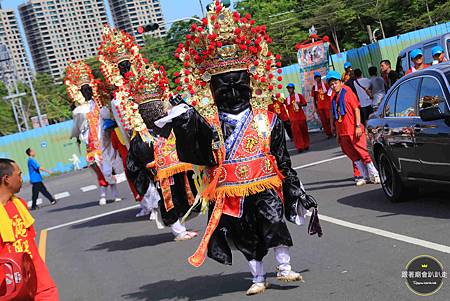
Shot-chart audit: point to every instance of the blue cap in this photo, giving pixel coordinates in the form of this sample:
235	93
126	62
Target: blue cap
333	75
317	74
347	65
436	50
415	53
290	85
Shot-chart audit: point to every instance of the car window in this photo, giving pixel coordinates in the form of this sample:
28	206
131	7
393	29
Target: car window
389	107
405	105
427	57
431	94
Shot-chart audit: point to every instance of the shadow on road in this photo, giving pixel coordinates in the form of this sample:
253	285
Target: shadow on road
135	242
77	206
431	204
200	288
127	216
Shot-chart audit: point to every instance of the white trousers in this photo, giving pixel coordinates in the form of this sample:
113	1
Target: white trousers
177	228
282	258
113	188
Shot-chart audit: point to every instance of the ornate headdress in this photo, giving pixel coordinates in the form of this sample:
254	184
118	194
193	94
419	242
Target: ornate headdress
149	84
117	46
228	42
78	74
225	42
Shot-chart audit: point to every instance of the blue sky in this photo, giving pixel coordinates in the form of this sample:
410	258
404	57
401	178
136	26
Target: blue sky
172	9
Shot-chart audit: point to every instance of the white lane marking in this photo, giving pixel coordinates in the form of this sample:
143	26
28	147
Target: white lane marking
38	202
136	206
92	217
388	234
121	178
320	162
88	188
61	195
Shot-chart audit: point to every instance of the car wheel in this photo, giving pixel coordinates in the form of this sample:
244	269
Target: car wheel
391	182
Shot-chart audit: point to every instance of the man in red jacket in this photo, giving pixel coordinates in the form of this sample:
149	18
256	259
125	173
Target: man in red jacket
346	122
319	93
295	103
279	108
16	228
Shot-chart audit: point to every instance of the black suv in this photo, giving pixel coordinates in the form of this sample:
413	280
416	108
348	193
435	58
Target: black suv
409	135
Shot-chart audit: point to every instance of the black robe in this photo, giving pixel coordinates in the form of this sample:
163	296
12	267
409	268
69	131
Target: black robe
262	225
139	155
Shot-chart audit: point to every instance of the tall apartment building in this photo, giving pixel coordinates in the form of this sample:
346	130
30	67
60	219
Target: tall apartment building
128	15
59	30
10	36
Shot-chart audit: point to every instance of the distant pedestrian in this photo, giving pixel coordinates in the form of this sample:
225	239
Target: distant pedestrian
362	86
295	103
34	171
347	73
278	107
389	75
346	122
322	102
438	55
376	87
417	58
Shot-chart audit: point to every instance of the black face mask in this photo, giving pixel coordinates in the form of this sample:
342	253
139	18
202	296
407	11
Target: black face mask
124	67
86	90
231	91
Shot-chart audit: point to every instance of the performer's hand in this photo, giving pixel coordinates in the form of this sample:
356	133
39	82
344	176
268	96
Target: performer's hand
358	132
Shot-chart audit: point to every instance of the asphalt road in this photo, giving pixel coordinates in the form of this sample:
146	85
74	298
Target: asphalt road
121	257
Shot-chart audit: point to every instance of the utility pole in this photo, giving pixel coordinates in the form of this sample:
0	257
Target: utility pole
9	77
201	6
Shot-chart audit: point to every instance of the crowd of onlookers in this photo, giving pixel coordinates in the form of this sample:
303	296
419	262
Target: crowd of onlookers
343	103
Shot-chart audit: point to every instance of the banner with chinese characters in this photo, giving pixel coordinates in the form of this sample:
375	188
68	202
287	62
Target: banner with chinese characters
311	57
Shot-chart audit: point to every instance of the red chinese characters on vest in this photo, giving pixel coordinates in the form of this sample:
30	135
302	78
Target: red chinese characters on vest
279	108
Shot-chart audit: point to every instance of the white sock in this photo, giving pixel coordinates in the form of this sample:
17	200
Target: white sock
283	259
373	172
257	270
102	192
362	169
113	191
177	228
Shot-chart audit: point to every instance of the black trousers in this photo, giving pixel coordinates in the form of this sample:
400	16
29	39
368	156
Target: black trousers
287	127
40	187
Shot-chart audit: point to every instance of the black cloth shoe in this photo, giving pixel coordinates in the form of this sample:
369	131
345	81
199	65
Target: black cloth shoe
53	202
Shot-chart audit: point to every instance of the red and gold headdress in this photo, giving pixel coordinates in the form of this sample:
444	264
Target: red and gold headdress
149	84
78	74
227	42
117	46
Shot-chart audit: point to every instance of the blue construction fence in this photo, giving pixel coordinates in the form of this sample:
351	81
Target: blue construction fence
54	149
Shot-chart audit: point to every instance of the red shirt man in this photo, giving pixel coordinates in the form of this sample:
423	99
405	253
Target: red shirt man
279	108
322	103
417	58
346	121
294	103
17	232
